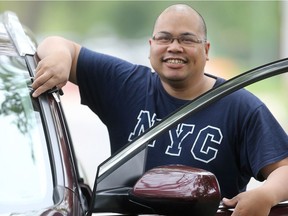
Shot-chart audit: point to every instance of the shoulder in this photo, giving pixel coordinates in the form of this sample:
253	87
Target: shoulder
95	61
107	70
88	55
241	96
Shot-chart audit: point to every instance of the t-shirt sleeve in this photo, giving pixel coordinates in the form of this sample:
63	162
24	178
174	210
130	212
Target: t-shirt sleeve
268	142
104	81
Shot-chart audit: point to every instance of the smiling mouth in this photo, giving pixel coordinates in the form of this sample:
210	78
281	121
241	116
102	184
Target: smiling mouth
174	61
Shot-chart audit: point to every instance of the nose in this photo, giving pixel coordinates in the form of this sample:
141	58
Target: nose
175	39
175	46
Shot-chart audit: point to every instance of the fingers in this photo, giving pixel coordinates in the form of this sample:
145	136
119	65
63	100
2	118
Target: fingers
45	87
230	202
247	203
42	82
47	77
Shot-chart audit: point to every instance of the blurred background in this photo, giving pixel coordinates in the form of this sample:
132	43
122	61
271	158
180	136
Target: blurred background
243	35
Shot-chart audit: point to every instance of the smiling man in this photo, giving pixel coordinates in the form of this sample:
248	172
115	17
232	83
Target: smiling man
235	138
179	52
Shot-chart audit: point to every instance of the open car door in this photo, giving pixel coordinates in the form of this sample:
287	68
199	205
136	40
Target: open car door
117	182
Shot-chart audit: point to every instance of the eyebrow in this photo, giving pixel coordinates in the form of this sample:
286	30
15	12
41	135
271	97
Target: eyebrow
185	33
188	33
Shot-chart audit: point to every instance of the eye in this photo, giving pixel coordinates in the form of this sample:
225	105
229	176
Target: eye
188	39
162	38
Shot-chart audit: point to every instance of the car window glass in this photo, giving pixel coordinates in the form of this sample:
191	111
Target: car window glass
25	171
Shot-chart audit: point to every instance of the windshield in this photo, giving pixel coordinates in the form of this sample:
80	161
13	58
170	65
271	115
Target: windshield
26	180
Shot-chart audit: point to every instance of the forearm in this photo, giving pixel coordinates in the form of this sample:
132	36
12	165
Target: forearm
57	65
275	185
67	52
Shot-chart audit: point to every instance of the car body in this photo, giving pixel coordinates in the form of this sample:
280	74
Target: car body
39	174
39	170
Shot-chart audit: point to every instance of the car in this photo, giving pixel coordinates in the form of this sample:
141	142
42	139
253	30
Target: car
40	174
39	170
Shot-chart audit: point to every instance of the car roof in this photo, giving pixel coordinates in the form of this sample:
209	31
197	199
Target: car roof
6	45
13	36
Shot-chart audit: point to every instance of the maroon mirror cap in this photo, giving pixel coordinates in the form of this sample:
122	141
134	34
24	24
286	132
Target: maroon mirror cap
178	188
177	182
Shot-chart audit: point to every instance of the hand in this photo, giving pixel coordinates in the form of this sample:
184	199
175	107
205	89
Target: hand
53	70
250	203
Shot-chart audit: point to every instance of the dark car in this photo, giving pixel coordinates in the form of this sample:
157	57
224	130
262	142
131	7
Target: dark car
39	170
39	174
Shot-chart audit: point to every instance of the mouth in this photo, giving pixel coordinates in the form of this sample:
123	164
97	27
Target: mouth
174	61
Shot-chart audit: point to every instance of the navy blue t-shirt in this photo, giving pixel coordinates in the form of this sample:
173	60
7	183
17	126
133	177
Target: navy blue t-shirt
233	138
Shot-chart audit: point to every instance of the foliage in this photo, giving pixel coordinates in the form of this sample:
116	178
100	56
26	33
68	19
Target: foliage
242	30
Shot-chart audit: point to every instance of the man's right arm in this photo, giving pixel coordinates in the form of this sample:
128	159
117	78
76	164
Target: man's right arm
57	66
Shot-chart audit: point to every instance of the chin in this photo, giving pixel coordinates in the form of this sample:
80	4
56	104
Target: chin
175	77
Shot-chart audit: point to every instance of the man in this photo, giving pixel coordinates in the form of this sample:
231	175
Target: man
236	138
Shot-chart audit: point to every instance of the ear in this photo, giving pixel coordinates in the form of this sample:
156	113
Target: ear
150	41
207	48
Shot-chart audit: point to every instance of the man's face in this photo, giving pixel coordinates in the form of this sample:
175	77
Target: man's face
174	62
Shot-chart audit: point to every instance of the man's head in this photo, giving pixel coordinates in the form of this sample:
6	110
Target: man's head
182	8
178	48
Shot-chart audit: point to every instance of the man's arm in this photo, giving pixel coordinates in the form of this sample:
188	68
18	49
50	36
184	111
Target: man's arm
277	178
259	201
57	66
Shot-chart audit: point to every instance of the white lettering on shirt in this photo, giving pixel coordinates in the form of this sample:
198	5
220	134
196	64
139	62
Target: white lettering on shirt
203	149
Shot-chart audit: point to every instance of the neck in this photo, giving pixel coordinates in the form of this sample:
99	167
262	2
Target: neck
191	90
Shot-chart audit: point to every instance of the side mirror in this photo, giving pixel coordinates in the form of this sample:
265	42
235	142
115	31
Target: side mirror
178	190
164	190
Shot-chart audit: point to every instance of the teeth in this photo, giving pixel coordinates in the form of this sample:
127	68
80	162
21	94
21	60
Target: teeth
175	61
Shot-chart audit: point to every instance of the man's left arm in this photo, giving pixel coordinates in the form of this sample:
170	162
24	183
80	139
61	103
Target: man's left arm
276	180
259	201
